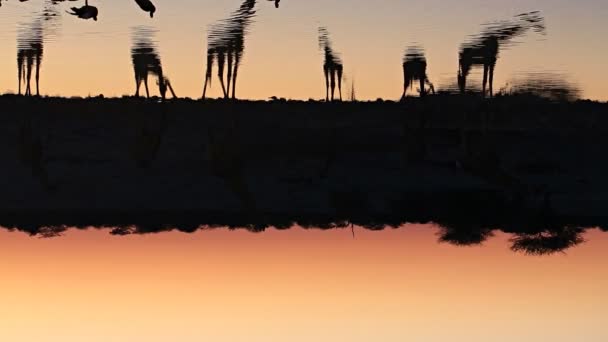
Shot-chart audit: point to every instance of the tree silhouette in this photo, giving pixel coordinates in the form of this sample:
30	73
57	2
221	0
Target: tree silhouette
464	234
548	241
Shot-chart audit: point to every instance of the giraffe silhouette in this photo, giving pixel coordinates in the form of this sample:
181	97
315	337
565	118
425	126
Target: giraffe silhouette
332	65
146	61
483	50
30	48
226	45
414	69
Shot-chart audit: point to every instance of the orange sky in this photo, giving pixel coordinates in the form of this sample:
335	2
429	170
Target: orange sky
282	57
296	285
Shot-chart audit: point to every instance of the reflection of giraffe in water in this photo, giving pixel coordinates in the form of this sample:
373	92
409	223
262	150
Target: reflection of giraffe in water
414	69
31	148
30	47
146	61
29	56
226	161
484	49
226	44
332	66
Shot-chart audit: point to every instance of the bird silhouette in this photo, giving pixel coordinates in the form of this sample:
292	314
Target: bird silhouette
85	12
147	6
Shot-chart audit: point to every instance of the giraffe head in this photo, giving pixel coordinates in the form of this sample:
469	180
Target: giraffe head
461	82
152	10
533	21
463	71
163	82
94	12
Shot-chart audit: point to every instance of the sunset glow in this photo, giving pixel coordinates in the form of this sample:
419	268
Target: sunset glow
281	54
296	285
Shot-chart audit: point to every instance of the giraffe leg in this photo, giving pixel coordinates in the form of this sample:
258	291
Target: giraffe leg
326	72
340	83
146	85
221	62
405	83
28	90
422	90
161	81
462	83
162	87
431	86
229	57
137	85
171	89
38	76
492	80
19	74
208	73
237	62
485	79
463	73
205	87
333	83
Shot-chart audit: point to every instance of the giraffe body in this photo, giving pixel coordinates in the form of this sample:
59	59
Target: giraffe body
484	49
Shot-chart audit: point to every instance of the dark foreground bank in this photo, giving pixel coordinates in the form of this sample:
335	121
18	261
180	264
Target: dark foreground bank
517	161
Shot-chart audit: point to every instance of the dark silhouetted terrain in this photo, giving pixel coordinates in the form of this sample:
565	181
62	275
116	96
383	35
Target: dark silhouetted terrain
520	161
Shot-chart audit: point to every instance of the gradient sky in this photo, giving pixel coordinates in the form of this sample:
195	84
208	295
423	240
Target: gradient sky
297	285
282	56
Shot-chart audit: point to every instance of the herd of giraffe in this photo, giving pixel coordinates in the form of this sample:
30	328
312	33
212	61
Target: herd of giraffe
226	45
